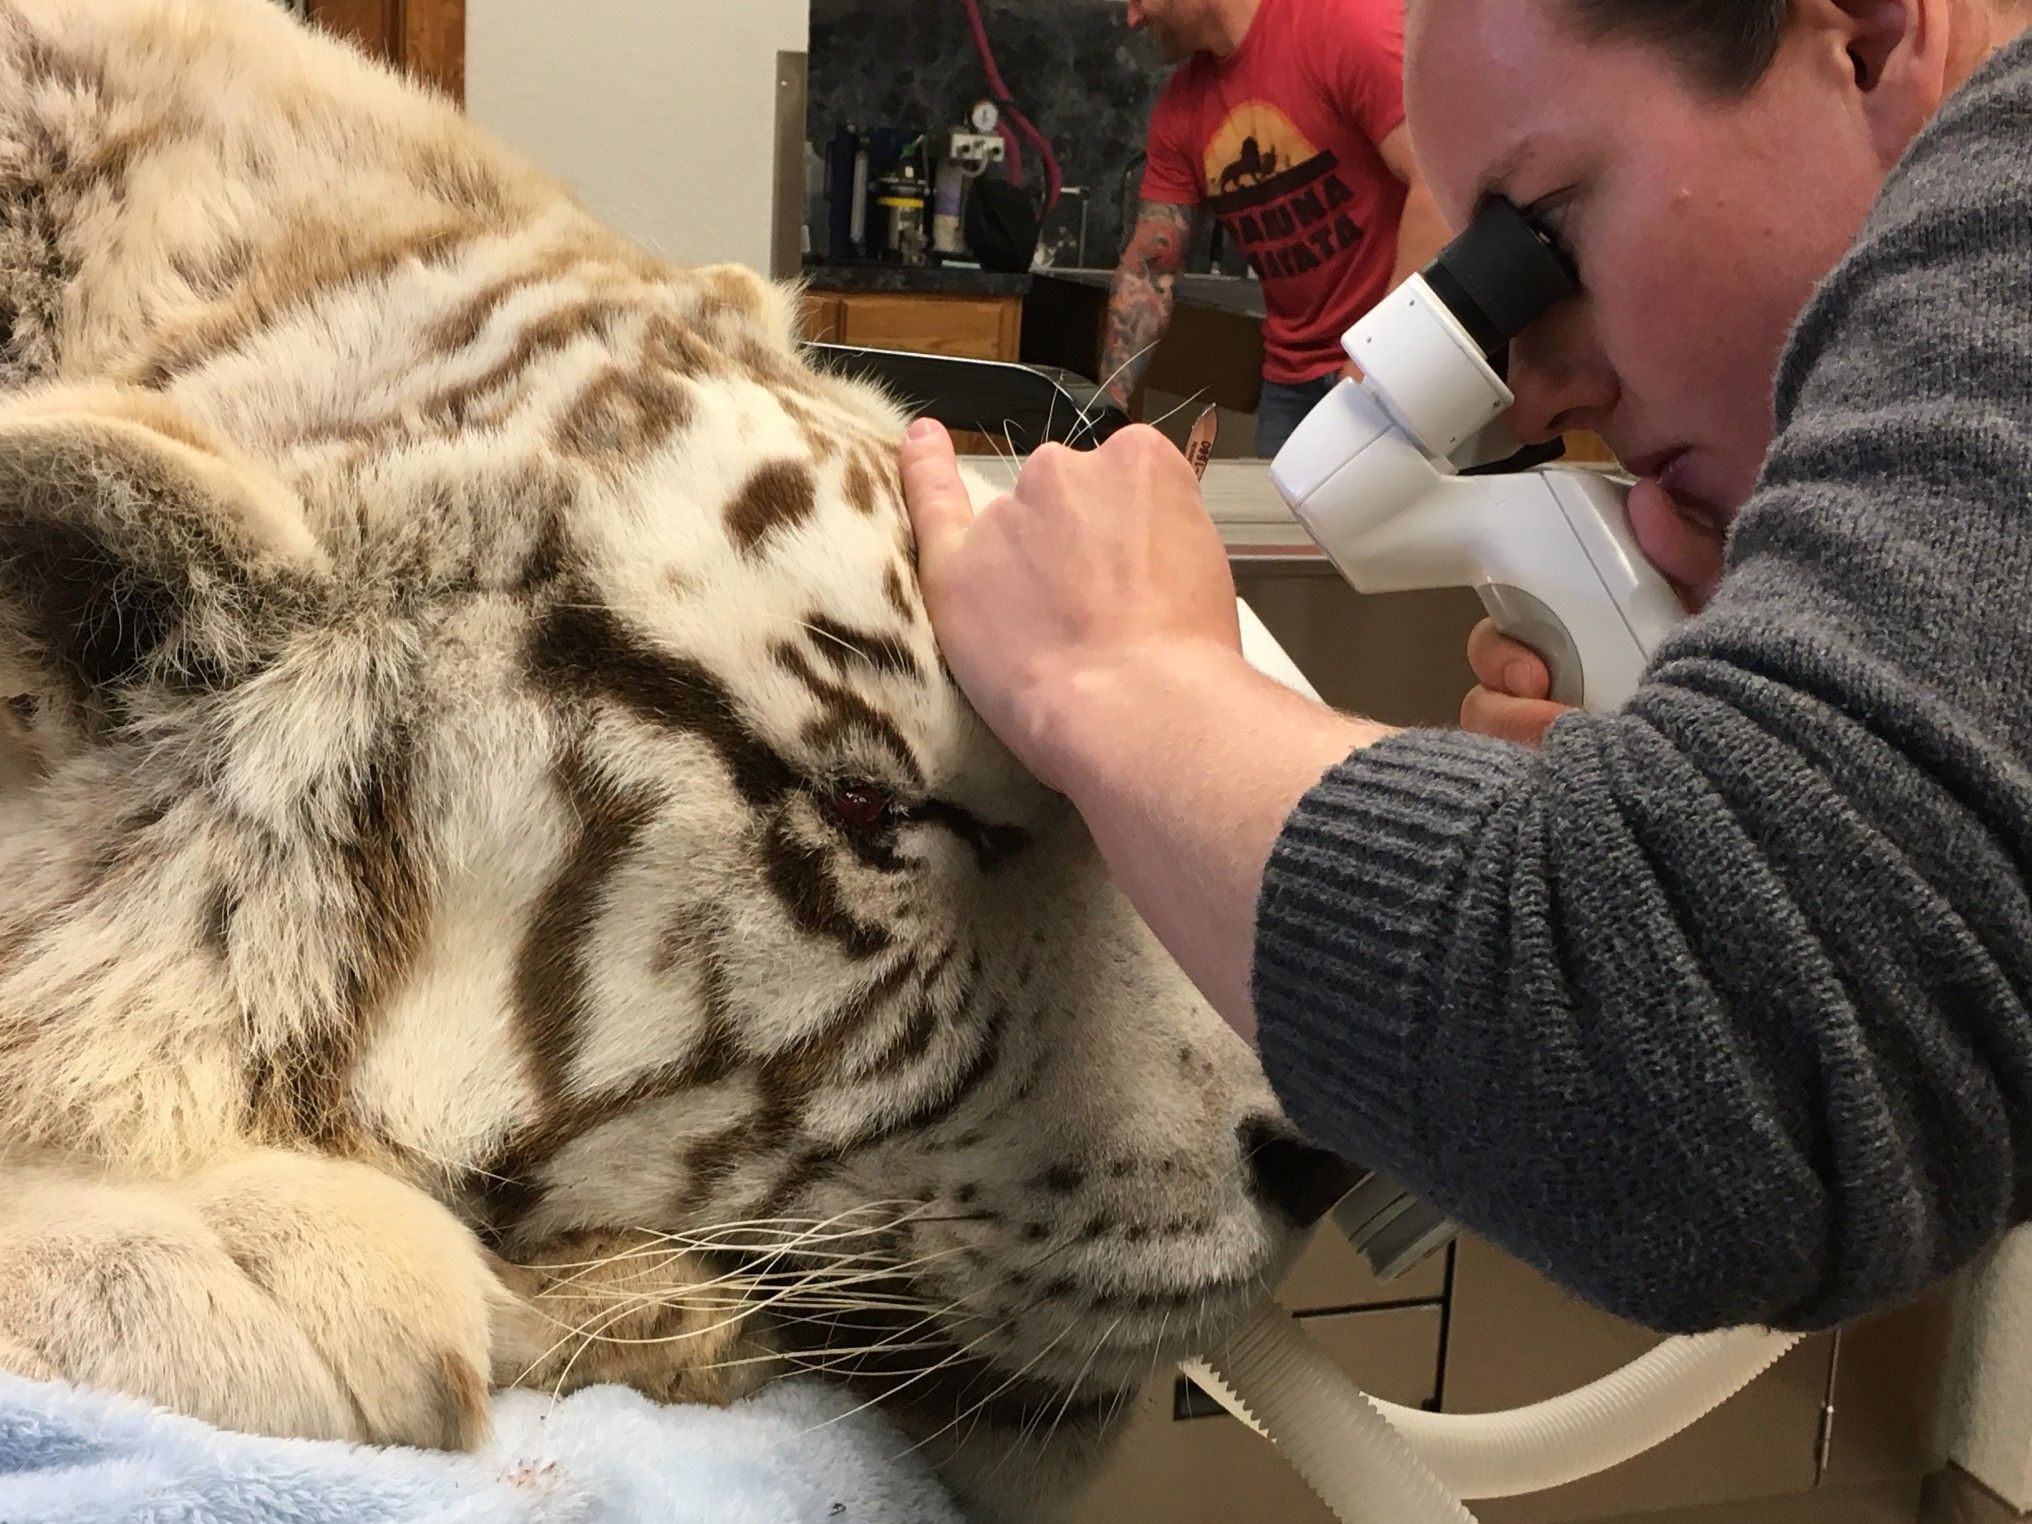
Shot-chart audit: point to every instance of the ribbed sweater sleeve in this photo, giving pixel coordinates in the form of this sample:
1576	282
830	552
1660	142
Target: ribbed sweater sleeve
1718	1009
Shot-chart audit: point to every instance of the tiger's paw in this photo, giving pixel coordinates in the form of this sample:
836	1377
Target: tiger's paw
276	1293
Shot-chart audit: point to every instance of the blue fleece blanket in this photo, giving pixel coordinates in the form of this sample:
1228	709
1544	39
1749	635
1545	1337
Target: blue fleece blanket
795	1454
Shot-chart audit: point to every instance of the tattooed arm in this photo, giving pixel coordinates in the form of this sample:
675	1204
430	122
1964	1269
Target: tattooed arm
1140	307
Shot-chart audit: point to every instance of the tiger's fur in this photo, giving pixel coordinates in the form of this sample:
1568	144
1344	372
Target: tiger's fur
449	934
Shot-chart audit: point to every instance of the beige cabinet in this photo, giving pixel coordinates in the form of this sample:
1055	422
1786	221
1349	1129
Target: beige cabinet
1838	1432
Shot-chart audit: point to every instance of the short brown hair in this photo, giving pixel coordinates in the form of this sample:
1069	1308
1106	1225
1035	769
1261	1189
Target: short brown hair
1724	44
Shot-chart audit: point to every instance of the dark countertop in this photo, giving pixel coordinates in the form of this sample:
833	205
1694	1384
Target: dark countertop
1216	293
915	280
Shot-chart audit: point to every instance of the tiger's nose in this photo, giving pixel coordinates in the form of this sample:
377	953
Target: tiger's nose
1291	1177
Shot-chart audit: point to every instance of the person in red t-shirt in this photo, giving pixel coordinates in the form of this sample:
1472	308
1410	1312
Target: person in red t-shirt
1285	119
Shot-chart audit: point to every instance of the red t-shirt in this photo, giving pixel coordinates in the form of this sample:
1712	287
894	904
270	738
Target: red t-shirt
1278	140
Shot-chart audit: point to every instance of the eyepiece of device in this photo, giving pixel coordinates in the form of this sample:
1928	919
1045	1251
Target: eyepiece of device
1500	276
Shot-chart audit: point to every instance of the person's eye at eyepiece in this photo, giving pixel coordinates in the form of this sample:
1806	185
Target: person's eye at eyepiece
1504	272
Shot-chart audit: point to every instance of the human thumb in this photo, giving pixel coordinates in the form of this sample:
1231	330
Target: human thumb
940	506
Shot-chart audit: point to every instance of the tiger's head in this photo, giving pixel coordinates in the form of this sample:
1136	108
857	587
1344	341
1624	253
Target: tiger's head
482	719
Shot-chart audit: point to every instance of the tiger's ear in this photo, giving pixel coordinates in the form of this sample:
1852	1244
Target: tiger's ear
765	308
135	546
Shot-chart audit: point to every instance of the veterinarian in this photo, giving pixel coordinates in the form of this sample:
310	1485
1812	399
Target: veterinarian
1285	119
1718	1008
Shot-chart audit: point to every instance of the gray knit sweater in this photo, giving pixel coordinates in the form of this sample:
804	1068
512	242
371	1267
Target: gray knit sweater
1719	1009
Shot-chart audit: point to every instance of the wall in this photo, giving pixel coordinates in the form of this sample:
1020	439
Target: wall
1076	69
1989	1425
659	113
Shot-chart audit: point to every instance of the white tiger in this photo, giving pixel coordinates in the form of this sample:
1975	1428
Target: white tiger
498	884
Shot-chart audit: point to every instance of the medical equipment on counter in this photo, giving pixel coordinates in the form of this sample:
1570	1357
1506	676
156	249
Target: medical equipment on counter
1370	1462
1374	471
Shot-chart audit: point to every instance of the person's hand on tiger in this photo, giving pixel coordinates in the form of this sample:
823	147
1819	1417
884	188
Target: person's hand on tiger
1099	565
1512	699
1091	618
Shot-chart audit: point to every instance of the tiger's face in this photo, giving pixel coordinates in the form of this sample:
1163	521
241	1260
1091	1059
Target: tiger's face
766	929
475	676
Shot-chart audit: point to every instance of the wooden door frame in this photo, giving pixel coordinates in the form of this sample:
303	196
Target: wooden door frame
425	37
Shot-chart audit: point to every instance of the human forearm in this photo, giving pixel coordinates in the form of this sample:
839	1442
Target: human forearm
1185	767
1139	307
1139	310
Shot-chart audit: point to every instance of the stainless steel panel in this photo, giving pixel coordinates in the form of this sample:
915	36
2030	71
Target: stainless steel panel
786	211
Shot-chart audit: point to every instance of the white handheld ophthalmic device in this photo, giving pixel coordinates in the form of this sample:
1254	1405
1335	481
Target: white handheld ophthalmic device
1373	473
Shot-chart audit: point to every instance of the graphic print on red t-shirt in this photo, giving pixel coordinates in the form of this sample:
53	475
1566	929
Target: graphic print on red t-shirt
1279	140
1277	194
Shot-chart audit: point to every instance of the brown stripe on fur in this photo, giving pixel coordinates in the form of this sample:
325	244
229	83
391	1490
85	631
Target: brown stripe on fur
509	1189
782	372
814	1061
708	1162
992	844
841	644
913	1041
302	1091
893	590
804	1170
859	485
822	435
550	552
391	884
847	715
938	1107
799	873
582	652
778	496
545	336
880	467
461	328
215	927
42	62
623	416
104	168
548	985
309	259
462	177
675	346
787	1083
459	1405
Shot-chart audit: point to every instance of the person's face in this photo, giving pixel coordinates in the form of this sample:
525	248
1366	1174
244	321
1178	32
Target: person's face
1699	223
1175	26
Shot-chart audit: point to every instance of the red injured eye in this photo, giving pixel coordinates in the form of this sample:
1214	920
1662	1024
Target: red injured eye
861	808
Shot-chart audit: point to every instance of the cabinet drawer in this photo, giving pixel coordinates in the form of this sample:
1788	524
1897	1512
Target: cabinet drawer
1213	1470
970	328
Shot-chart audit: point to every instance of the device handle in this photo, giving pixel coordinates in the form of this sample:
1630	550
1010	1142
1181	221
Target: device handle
1530	622
1560	572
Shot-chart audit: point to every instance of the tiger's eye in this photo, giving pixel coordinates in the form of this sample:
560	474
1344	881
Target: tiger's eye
861	808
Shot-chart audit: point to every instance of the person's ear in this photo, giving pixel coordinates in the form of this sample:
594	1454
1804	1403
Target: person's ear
135	548
1896	52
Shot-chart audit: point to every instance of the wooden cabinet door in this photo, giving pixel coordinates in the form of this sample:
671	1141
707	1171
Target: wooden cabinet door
426	37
